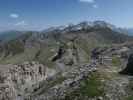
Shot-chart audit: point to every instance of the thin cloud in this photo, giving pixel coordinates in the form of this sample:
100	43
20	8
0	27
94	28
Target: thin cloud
87	1
13	15
95	6
21	23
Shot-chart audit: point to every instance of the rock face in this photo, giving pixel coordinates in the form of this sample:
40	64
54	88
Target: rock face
20	79
129	69
33	81
60	86
58	55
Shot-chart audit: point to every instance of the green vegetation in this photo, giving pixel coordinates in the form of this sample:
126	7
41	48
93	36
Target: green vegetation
45	54
85	47
116	61
42	55
91	87
129	98
27	55
14	47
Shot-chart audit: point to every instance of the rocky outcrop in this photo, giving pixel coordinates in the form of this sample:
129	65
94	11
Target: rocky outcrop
60	86
59	54
19	80
129	68
34	81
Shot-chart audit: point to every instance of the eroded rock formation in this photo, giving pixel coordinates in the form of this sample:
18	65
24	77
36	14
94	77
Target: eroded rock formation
19	80
34	81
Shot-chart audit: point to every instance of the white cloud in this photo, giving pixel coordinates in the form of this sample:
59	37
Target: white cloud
95	6
88	1
13	15
21	23
93	3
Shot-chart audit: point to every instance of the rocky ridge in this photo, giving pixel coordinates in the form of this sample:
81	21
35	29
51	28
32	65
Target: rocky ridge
28	81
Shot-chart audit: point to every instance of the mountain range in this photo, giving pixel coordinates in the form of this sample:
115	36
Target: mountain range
73	62
12	34
85	34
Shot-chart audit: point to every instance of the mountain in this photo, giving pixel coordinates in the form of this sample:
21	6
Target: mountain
9	35
130	31
127	31
41	46
73	62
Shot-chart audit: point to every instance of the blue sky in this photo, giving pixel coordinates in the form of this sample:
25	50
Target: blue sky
40	14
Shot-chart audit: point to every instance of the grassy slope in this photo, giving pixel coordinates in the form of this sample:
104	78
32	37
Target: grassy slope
84	43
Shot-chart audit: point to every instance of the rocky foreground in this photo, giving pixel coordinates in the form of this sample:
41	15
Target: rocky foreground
34	81
29	80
